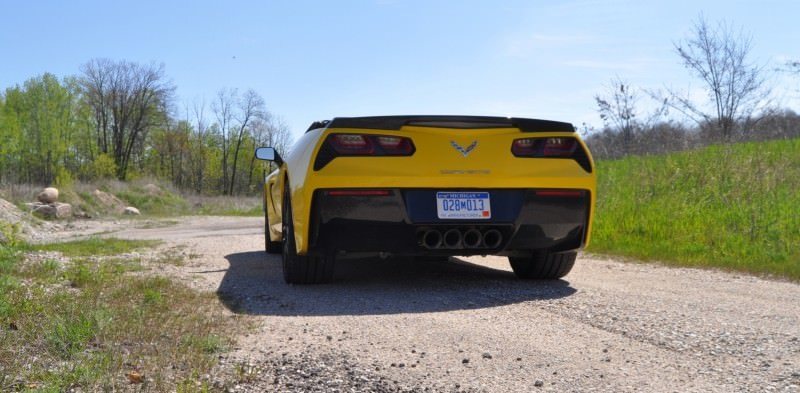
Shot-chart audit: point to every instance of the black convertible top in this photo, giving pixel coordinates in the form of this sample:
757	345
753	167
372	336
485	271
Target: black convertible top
465	122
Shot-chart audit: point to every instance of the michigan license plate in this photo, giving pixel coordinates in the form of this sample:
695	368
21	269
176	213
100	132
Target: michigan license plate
463	205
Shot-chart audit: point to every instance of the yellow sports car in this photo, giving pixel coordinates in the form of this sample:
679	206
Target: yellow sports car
430	186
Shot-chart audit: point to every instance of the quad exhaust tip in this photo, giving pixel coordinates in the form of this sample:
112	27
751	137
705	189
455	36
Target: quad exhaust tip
456	239
432	239
492	238
472	238
453	238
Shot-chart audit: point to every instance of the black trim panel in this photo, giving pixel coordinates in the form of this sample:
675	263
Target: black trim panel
393	222
458	122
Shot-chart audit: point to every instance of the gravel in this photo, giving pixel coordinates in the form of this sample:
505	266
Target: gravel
609	326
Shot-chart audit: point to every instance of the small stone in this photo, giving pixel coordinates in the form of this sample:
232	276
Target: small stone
519	359
131	211
539	383
401	365
464	361
487	355
329	338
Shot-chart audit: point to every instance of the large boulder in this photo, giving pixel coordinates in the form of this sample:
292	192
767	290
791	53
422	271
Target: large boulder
48	195
63	210
53	210
132	211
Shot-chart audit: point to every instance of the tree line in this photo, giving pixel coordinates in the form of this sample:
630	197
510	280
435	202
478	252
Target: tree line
117	119
736	103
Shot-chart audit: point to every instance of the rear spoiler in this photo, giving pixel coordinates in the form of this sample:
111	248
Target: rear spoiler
463	122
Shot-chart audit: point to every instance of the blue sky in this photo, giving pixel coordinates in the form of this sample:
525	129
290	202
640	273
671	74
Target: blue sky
314	60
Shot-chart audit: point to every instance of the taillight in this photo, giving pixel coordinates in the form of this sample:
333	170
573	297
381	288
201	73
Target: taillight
344	145
552	147
395	145
370	145
544	147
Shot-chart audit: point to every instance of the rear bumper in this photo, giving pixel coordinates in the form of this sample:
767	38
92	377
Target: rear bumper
399	221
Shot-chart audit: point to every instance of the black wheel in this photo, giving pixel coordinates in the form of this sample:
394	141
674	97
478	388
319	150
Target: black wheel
301	269
269	245
543	265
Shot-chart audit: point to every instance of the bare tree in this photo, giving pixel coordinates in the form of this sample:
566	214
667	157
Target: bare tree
272	132
201	133
719	57
251	107
223	111
128	100
618	110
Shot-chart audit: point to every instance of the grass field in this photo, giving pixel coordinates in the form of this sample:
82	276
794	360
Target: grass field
79	322
734	207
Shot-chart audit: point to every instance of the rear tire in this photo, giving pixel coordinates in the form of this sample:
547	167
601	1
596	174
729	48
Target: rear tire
543	265
269	245
301	269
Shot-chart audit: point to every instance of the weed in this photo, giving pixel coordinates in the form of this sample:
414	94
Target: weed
94	246
55	338
730	206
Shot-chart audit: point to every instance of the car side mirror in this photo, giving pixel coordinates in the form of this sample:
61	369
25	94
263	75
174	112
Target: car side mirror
268	154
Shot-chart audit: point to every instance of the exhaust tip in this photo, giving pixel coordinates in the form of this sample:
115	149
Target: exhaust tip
432	239
472	238
492	238
452	238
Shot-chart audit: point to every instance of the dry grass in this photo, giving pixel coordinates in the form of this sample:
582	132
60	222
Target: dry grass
87	323
168	202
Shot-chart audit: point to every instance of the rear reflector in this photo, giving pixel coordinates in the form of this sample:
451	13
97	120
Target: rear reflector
560	193
358	192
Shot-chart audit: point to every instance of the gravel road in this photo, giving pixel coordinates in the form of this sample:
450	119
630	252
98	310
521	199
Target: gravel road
469	325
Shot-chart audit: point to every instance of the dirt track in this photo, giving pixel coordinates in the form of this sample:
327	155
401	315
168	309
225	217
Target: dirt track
468	324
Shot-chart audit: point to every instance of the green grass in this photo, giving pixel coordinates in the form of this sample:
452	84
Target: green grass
95	246
84	323
734	207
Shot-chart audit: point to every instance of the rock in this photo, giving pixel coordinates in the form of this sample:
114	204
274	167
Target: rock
48	195
464	361
53	210
539	383
487	355
132	211
45	211
63	210
109	201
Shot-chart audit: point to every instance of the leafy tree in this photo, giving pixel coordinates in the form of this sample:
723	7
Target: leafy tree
128	100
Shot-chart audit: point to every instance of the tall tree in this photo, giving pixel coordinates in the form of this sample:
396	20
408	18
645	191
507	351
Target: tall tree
128	99
251	108
223	108
720	57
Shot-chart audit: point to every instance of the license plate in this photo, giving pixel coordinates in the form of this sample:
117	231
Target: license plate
463	205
